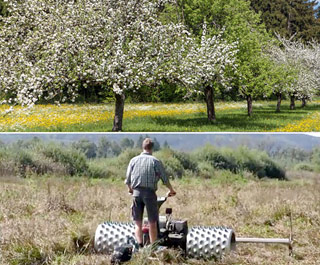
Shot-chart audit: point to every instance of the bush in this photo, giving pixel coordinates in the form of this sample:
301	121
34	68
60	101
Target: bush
304	166
124	158
74	161
186	161
218	158
205	170
240	160
98	170
172	165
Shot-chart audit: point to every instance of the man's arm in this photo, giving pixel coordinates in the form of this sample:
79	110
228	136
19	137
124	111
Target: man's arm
128	177
163	176
172	192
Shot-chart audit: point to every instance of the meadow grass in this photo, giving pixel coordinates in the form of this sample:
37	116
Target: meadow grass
183	117
45	220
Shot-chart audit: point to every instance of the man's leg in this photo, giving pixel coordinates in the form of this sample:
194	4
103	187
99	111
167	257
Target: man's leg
138	232
153	216
153	232
137	214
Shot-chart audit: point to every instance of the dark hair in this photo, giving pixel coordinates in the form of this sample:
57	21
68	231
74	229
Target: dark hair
147	144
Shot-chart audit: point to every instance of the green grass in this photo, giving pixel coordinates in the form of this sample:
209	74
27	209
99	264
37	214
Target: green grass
263	119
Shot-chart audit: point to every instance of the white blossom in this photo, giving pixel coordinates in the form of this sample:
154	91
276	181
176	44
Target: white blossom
49	46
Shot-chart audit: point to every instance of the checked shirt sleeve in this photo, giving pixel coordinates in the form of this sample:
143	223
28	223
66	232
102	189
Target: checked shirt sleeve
129	172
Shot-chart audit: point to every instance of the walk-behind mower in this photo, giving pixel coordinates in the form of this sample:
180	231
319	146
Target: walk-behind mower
205	242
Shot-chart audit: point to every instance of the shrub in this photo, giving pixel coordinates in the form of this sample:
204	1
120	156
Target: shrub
239	160
219	159
74	161
304	166
172	165
98	170
205	170
186	161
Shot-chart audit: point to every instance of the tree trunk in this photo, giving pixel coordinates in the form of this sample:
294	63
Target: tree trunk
304	103
208	91
278	102
249	105
118	115
292	102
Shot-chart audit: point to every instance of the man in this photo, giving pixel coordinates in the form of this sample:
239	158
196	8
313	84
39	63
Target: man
143	173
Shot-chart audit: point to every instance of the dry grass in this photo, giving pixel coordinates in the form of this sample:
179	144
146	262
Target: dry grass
52	221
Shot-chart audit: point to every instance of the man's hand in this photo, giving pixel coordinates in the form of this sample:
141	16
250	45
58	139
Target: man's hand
171	193
130	190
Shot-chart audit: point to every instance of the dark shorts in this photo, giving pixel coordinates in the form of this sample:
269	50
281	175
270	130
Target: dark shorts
145	198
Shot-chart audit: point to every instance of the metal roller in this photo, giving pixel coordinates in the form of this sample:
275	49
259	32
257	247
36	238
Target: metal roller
202	242
110	235
209	242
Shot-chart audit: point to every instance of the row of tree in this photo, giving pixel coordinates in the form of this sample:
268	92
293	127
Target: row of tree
298	18
103	149
51	49
106	148
51	158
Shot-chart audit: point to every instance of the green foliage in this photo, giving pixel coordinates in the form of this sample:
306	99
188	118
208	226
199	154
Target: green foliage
218	158
288	18
171	164
242	25
124	158
315	159
206	170
98	169
42	158
28	254
176	163
304	166
86	147
126	143
74	160
3	9
165	92
239	160
107	148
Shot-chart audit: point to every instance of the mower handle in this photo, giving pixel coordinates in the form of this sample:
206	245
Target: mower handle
161	200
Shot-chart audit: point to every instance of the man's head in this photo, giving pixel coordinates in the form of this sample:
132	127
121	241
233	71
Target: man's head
147	145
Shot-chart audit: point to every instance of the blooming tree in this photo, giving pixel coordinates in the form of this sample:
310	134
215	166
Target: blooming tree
206	65
48	47
283	74
305	59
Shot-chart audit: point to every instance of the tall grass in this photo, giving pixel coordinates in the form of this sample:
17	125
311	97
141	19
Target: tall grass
53	220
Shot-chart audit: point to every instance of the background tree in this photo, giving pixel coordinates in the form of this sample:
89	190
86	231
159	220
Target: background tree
86	147
284	75
206	66
104	147
288	18
315	158
119	45
140	141
281	81
156	144
242	25
126	143
166	144
115	149
305	59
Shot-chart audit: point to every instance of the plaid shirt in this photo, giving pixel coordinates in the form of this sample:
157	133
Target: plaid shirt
144	171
